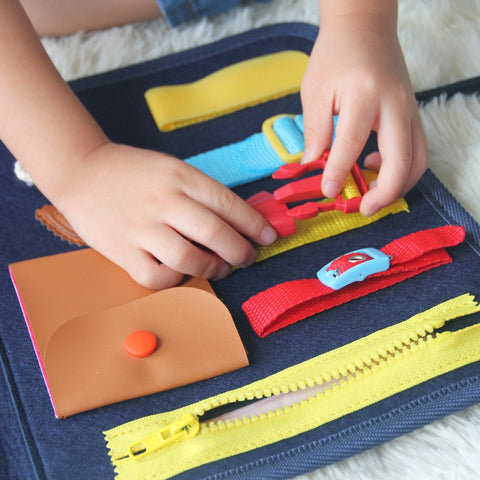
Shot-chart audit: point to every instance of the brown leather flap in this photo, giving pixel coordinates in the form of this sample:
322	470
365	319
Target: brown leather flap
79	309
88	366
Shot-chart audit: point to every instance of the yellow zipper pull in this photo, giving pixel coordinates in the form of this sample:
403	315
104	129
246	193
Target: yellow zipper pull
186	426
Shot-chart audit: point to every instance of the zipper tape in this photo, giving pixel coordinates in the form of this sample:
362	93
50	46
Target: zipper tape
323	389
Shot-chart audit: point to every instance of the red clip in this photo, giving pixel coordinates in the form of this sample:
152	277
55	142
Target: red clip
359	179
295	170
312	209
274	209
304	189
275	212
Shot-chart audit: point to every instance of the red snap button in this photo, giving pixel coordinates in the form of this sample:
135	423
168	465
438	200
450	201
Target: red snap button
140	343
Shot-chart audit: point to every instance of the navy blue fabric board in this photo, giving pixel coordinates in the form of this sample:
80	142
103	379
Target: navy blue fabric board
34	445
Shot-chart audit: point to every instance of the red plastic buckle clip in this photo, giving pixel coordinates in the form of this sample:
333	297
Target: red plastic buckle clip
273	206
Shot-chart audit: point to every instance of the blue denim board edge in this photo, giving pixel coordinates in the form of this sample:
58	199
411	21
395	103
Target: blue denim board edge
33	445
375	430
23	465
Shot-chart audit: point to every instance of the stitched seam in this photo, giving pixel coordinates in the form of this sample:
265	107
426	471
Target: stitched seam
190	7
432	190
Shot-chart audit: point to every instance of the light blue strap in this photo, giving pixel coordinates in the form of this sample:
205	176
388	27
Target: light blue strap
239	163
290	131
252	158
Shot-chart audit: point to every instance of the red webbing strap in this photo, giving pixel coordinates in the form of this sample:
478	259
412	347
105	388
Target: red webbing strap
289	302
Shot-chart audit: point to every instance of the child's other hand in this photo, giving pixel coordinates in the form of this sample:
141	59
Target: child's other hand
357	71
159	218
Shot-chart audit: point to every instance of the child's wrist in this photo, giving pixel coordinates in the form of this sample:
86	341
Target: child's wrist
366	14
60	180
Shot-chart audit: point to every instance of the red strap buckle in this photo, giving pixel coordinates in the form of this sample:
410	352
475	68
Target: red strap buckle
273	206
289	302
353	267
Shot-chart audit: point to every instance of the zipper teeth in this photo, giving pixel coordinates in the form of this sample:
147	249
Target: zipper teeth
384	350
336	379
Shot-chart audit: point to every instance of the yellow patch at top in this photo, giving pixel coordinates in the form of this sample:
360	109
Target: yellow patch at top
231	88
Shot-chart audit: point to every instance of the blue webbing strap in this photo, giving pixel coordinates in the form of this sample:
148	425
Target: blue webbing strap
252	158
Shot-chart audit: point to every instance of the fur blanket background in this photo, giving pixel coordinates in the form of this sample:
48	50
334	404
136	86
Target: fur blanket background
441	42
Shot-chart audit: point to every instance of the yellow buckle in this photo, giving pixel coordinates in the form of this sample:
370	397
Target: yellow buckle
276	143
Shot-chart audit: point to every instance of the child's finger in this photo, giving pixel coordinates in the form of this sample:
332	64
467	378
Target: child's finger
419	155
148	272
395	147
353	129
230	208
179	254
373	161
318	129
199	224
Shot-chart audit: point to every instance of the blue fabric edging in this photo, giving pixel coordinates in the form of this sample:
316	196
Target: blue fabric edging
448	208
357	438
19	441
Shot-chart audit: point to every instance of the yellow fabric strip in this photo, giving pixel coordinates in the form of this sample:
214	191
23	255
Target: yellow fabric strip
354	376
232	88
350	188
328	224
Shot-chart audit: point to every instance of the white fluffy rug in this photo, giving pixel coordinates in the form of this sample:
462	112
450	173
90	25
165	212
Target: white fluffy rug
441	40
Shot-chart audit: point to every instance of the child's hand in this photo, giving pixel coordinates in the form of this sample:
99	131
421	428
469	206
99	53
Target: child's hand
160	218
153	215
357	71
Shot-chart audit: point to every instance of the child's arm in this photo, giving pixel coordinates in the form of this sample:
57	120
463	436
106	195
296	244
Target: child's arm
357	71
64	17
134	206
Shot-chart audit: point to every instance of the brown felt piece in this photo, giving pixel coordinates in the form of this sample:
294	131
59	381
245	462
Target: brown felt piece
49	216
80	307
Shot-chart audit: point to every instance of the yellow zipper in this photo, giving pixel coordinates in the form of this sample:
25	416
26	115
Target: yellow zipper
312	393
